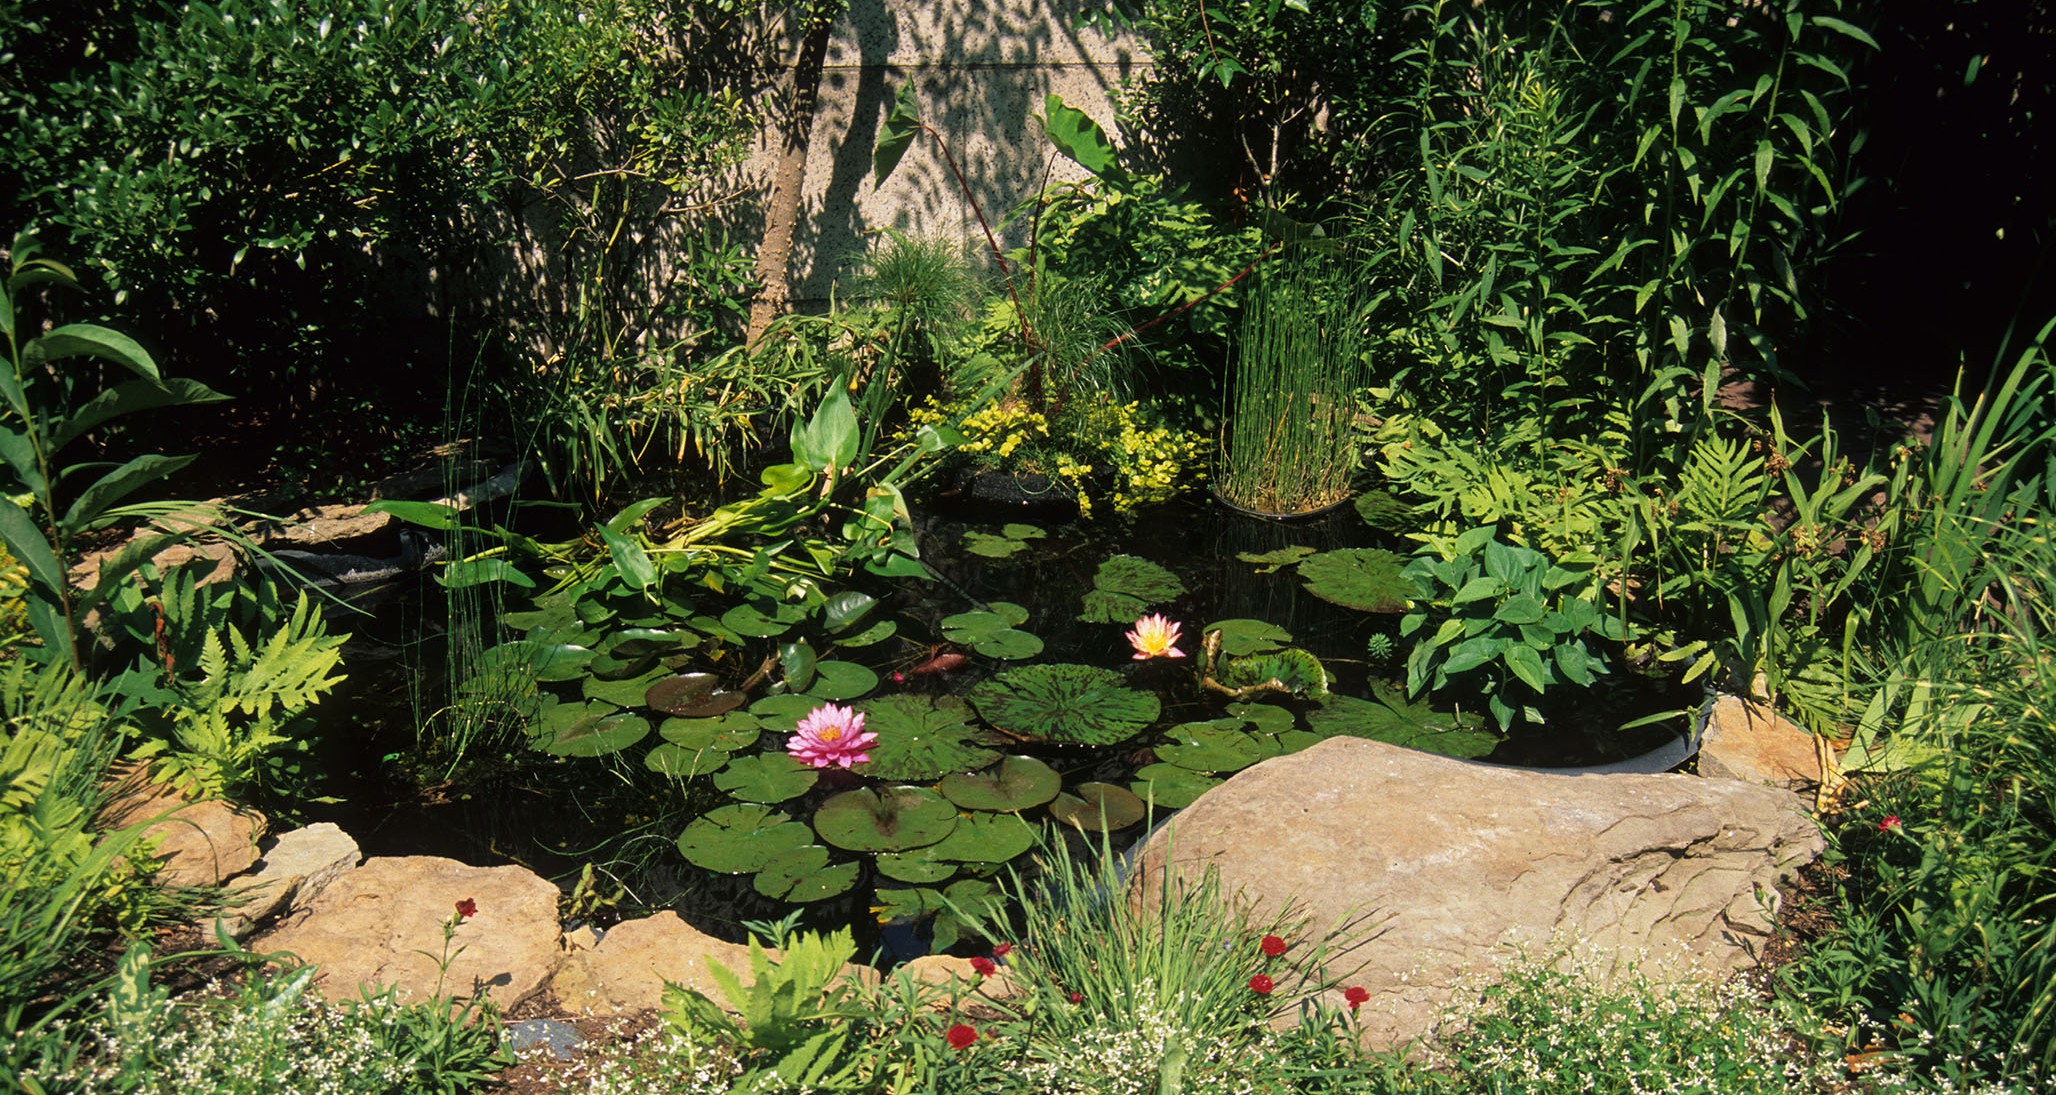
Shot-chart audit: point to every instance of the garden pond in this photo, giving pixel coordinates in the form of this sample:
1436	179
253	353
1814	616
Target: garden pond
649	762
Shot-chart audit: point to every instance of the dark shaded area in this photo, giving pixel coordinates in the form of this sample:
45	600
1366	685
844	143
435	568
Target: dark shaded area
1954	222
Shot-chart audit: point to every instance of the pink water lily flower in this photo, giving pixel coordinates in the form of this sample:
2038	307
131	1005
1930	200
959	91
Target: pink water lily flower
1155	636
831	736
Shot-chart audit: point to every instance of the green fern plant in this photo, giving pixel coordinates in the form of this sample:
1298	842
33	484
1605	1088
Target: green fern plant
796	1015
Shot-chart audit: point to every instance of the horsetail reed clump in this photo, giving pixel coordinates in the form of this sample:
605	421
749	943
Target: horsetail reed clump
1286	444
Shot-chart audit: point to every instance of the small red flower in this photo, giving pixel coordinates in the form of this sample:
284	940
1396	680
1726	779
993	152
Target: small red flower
1077	997
466	909
983	967
961	1036
1001	950
1356	995
1272	945
1262	984
1890	823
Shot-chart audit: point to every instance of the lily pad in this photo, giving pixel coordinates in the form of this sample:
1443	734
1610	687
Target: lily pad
1171	787
842	681
1268	561
1398	722
803	875
888	819
1267	717
691	695
539	661
1125	586
1065	704
597	736
846	610
923	737
990	634
797	661
1098	807
1016	783
622	693
1241	637
618	665
876	633
743	837
763	619
683	763
985	838
1381	511
1220	745
1011	540
766	777
781	714
917	866
732	731
1013	614
1291	669
1366	579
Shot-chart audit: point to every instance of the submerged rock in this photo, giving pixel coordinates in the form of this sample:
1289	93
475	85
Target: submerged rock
1440	866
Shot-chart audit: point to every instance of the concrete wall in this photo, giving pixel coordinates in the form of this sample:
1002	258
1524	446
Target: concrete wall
981	70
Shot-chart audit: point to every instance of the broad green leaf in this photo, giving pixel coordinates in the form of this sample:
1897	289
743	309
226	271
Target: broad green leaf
887	819
803	875
91	506
435	515
836	680
26	543
923	737
898	132
1099	807
472	572
1366	579
742	838
1169	787
130	397
1077	136
766	777
1016	783
631	562
92	340
1242	637
1065	705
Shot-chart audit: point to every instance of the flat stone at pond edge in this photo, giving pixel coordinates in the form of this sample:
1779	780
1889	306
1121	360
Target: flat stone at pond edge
626	970
197	843
1443	864
974	996
296	867
382	924
1747	740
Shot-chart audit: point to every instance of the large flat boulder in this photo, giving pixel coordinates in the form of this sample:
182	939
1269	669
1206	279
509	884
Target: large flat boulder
295	868
626	971
382	925
1442	864
195	842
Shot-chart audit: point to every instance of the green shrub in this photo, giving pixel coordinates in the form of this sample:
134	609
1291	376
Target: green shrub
1550	1025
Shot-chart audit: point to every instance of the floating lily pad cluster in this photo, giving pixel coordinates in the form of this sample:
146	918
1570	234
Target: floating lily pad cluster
994	631
1011	540
1125	587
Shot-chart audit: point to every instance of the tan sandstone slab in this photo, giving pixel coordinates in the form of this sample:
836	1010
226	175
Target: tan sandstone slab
1748	740
1444	864
201	843
296	867
382	925
627	969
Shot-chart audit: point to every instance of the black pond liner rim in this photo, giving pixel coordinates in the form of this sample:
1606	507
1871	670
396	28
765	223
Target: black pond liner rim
1269	515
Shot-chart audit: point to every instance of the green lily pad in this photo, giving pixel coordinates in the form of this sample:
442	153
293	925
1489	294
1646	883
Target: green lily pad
1125	586
617	666
1366	579
1243	637
1016	783
803	875
1292	741
1266	717
744	837
1171	787
888	819
691	695
1065	704
985	838
781	714
917	866
990	634
846	610
797	661
906	905
539	661
1291	669
1098	807
923	737
1221	745
763	619
1381	511
1268	561
597	737
732	731
876	633
1012	613
1397	722
766	777
842	681
622	693
683	763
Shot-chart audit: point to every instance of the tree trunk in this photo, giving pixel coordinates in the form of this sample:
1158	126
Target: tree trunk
782	214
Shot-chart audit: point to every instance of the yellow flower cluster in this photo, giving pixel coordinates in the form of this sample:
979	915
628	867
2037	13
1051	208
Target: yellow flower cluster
1149	462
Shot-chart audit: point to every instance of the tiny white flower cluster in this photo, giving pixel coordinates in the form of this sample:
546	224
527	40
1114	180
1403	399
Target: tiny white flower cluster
661	1061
